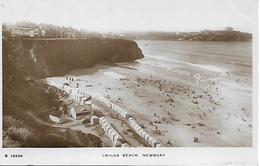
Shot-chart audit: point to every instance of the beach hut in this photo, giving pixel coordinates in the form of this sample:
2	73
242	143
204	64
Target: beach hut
157	145
101	120
106	128
146	136
125	145
143	133
117	143
139	131
153	142
94	120
125	114
109	131
137	127
114	137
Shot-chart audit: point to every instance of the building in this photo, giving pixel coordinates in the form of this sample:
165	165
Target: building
206	31
80	110
69	33
57	117
22	32
229	29
94	120
43	31
19	31
37	32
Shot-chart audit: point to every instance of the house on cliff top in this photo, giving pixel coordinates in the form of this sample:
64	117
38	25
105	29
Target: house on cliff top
24	31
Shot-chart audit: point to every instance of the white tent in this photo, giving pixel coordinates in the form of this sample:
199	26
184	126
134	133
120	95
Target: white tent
157	145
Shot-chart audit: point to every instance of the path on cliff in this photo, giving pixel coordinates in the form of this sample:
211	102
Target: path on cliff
40	121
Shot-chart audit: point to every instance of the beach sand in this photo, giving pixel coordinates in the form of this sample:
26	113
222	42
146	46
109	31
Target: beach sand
184	106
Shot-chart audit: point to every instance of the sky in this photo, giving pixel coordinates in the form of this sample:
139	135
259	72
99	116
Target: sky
135	15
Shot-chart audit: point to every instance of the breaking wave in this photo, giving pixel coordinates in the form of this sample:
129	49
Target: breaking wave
114	75
207	67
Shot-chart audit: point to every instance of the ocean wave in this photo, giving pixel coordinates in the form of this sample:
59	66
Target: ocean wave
114	75
207	67
164	66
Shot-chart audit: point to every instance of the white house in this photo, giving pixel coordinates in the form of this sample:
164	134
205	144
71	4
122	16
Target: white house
22	32
76	111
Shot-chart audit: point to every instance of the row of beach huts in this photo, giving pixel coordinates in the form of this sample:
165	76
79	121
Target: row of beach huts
81	96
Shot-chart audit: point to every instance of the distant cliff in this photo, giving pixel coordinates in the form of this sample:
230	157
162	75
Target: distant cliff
206	35
25	61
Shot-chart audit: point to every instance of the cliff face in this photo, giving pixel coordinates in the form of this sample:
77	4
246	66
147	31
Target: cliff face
24	61
41	58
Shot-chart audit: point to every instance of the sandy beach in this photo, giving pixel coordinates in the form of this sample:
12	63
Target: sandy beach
183	95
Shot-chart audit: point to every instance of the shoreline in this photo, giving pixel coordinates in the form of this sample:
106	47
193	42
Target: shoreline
172	111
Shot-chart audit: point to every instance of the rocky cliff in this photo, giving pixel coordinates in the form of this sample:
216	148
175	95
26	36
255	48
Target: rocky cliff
25	61
41	58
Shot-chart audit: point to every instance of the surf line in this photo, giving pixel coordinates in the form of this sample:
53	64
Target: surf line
207	67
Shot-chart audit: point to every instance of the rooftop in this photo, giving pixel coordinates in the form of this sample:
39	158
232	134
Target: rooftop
82	108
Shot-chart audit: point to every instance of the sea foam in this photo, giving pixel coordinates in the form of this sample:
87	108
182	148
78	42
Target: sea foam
207	67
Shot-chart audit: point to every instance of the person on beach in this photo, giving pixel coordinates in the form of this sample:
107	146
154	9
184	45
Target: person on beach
169	143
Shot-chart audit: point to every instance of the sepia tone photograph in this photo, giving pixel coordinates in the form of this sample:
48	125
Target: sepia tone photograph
133	73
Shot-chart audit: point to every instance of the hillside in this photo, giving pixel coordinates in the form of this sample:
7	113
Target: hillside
27	60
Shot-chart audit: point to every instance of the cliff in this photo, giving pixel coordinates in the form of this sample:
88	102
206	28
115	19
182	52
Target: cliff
42	58
206	35
25	61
